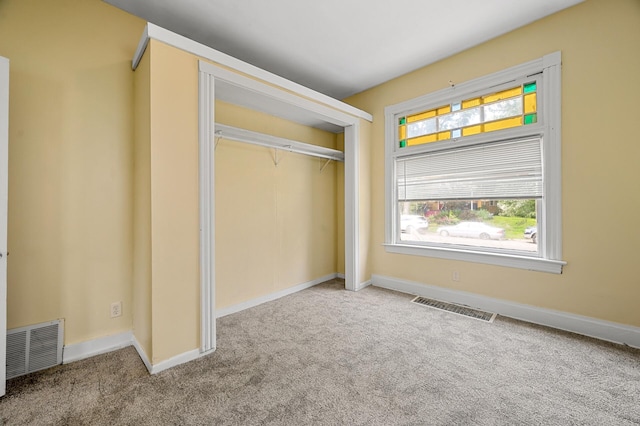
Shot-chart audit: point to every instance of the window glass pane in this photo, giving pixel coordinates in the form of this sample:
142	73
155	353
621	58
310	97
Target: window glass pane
420	128
494	224
503	109
455	120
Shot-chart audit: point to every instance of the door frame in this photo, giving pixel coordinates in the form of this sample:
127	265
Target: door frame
4	193
209	76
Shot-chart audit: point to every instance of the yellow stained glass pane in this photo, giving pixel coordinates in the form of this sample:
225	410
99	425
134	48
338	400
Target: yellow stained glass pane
503	95
402	132
472	130
503	124
530	103
444	110
443	136
469	103
422	139
421	116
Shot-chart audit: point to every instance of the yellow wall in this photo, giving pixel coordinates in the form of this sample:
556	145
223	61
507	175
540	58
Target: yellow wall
70	163
280	219
175	284
599	43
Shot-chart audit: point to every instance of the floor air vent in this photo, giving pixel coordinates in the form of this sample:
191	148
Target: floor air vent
34	348
456	309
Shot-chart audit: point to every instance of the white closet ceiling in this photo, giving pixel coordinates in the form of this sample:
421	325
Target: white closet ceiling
341	47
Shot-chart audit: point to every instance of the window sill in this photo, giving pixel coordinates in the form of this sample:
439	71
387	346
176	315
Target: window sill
498	259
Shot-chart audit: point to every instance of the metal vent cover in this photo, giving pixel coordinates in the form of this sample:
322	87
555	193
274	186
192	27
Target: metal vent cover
456	309
34	348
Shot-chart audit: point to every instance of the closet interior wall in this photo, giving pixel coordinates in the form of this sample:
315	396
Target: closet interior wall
276	224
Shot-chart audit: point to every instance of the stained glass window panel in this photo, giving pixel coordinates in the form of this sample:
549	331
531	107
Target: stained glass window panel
420	128
530	118
469	103
422	139
503	124
503	109
509	93
530	103
463	118
421	116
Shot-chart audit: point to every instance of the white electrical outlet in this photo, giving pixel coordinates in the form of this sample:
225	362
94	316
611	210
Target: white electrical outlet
116	309
455	276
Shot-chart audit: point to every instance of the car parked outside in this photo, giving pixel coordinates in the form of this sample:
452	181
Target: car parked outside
532	233
472	230
413	222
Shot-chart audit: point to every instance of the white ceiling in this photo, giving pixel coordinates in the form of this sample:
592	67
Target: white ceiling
341	47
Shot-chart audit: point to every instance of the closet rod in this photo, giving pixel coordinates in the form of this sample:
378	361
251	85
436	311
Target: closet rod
255	138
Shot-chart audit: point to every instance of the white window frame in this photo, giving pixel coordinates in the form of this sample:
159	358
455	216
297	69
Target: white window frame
549	256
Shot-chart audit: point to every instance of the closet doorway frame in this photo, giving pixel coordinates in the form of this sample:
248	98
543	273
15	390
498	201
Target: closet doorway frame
209	76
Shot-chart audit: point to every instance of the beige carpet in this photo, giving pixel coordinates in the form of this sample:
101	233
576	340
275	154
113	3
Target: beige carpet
325	356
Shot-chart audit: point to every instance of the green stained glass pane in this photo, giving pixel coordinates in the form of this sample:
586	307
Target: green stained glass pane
529	87
403	121
530	118
403	143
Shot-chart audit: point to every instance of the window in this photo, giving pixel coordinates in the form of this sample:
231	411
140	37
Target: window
473	171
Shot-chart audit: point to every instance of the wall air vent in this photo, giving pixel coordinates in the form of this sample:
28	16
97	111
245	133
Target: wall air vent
456	309
34	348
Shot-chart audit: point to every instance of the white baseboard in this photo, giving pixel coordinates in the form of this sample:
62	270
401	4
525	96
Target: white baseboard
341	276
273	296
176	360
101	345
142	354
587	326
363	285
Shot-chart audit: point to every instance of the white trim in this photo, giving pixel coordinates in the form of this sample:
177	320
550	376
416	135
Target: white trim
101	345
550	214
206	188
142	47
322	112
177	360
587	326
142	354
273	296
340	275
165	36
364	285
507	260
351	207
4	199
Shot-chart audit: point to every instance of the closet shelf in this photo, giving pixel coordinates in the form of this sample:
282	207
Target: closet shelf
255	138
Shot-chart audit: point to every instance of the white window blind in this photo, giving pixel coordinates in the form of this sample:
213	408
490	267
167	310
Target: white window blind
499	170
